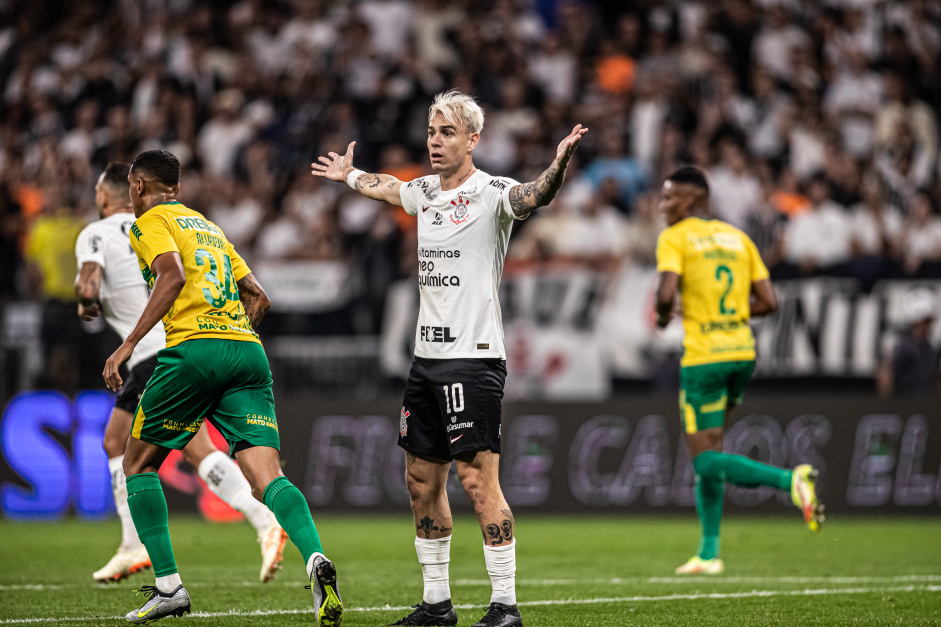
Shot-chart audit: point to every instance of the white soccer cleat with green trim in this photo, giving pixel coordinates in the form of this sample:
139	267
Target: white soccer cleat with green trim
804	495
698	566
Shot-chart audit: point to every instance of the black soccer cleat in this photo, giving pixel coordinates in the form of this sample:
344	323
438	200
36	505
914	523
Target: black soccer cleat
441	614
500	615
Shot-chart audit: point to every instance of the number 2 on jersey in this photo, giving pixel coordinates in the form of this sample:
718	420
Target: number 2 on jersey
725	270
226	291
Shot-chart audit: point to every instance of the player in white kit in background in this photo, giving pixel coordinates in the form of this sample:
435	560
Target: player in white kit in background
452	405
109	281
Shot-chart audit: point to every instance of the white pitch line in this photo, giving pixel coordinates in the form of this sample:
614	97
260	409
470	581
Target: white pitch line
613	581
714	579
592	601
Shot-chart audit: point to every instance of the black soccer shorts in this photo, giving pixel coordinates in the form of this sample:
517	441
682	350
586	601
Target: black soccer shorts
134	385
452	406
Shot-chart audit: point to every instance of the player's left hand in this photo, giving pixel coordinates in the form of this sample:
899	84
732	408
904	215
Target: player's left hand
568	145
112	377
88	313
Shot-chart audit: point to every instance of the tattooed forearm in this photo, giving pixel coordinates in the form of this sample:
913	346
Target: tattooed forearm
367	180
379	187
526	197
254	300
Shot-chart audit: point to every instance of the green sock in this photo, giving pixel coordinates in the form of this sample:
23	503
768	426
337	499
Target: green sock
149	511
709	495
293	514
742	471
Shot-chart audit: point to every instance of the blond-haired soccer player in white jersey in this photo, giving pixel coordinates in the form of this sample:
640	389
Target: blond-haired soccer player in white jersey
452	405
109	281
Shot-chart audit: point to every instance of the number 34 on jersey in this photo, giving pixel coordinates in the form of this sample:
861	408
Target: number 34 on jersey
209	305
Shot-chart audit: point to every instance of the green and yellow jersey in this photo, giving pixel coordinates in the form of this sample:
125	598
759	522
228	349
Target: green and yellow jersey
717	264
209	305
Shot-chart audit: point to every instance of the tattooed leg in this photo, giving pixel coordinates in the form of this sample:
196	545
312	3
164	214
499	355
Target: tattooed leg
426	480
480	479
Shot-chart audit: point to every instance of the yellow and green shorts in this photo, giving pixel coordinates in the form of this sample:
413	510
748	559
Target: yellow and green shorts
707	389
226	381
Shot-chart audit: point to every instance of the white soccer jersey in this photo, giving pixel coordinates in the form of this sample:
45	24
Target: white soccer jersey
462	239
124	293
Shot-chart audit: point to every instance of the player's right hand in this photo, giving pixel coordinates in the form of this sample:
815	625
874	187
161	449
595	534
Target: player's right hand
111	375
334	166
88	313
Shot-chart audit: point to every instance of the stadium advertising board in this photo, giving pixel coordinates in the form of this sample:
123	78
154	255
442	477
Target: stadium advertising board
625	456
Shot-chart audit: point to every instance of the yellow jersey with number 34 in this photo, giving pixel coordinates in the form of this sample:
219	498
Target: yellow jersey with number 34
717	264
209	305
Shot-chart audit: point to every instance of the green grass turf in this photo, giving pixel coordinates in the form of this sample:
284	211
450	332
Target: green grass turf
892	565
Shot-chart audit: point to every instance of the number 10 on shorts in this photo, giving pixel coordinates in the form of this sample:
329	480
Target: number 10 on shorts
456	396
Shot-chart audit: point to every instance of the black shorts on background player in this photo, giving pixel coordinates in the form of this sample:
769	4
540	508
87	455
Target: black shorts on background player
134	385
452	406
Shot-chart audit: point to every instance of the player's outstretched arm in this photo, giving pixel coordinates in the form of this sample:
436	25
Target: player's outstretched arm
87	287
376	186
169	282
254	299
764	301
526	197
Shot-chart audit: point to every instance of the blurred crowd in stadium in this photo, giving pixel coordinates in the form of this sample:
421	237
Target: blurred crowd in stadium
817	122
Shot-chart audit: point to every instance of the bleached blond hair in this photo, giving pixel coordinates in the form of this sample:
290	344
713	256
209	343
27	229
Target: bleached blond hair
459	109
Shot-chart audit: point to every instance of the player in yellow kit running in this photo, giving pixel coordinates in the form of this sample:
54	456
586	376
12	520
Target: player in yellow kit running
213	366
722	284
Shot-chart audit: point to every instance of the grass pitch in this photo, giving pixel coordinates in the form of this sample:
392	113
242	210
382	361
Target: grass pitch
571	571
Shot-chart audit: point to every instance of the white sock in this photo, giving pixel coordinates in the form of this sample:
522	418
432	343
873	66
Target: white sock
169	583
129	539
501	564
434	555
224	478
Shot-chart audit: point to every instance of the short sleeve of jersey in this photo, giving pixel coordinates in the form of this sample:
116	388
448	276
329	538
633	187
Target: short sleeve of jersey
150	237
411	194
670	252
505	210
90	247
759	271
240	269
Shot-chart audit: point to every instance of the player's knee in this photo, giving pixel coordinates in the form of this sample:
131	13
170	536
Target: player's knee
114	445
476	486
190	458
705	463
135	466
420	488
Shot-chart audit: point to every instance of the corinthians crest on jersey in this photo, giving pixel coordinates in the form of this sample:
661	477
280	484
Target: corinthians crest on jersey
460	262
459	215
